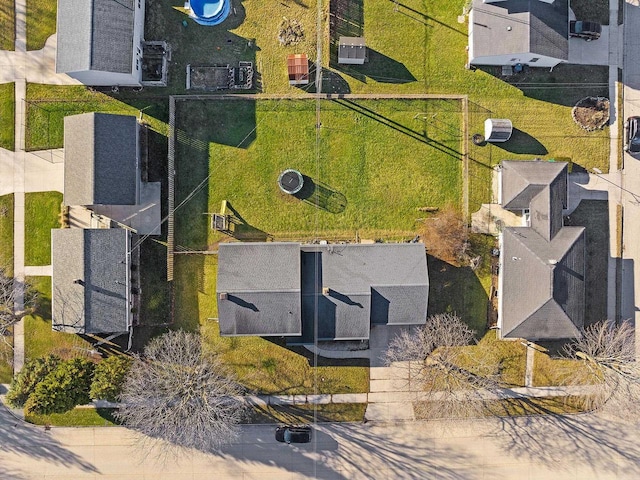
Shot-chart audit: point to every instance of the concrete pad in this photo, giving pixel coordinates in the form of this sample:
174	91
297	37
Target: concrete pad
389	412
393	385
319	399
595	52
391	397
281	400
380	373
38	271
299	399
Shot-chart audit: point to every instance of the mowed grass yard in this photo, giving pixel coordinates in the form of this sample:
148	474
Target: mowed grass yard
373	165
7	115
41	22
41	212
7	25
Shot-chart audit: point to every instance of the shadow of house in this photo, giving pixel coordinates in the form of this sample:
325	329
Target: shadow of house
552	306
320	292
522	143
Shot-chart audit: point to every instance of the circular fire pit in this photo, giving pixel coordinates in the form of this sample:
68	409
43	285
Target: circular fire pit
591	113
290	181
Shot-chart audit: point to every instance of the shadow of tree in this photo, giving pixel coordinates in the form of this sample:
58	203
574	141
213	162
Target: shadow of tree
20	438
243	230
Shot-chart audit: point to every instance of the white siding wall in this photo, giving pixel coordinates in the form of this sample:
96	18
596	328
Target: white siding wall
103	79
512	59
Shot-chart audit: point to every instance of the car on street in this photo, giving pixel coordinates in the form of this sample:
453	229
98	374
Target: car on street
587	30
293	433
632	135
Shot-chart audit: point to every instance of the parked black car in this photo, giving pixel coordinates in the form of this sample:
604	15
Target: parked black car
587	30
293	433
632	135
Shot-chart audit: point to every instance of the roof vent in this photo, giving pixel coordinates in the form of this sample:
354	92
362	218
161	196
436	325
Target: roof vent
325	290
223	296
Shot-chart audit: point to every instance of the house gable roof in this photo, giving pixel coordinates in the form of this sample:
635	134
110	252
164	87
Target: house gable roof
89	280
95	35
540	187
341	288
258	288
101	155
521	26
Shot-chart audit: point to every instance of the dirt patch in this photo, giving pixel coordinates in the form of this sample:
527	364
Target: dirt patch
591	113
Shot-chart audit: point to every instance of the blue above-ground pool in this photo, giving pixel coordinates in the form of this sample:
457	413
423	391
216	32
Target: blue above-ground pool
210	12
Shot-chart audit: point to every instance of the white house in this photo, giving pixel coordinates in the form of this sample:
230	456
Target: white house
526	32
100	41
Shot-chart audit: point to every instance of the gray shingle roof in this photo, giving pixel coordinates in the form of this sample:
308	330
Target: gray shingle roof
276	288
95	35
101	155
521	26
262	286
543	284
89	280
540	187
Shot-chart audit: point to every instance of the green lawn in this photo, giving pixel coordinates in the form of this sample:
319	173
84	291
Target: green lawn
7	114
6	233
41	211
39	339
376	162
47	105
41	22
7	25
78	417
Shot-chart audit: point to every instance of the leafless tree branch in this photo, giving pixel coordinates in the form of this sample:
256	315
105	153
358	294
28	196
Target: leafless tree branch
447	380
608	368
12	290
177	393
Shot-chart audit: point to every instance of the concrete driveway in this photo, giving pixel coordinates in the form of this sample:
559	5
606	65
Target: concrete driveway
595	52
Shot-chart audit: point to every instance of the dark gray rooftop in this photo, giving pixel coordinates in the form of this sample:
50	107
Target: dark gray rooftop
352	48
539	186
101	155
95	35
89	280
340	289
521	26
262	286
543	287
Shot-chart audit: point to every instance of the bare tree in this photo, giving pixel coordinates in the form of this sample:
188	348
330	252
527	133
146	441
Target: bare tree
447	379
178	393
445	236
12	290
608	370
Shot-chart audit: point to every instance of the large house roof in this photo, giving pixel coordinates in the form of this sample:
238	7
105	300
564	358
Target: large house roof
540	187
543	291
543	265
101	155
95	35
521	26
335	290
89	280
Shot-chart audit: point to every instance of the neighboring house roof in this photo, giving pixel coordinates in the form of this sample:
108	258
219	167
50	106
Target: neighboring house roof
95	35
89	280
100	155
543	289
258	289
537	186
521	26
352	48
543	265
336	290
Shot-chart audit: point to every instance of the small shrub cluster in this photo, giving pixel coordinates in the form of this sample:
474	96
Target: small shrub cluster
51	385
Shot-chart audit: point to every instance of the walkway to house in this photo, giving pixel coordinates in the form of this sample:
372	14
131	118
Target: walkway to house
27	171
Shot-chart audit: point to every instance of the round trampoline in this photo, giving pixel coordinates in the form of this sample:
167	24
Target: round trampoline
290	181
210	12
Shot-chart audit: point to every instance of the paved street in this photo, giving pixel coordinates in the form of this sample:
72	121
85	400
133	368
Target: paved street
580	448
